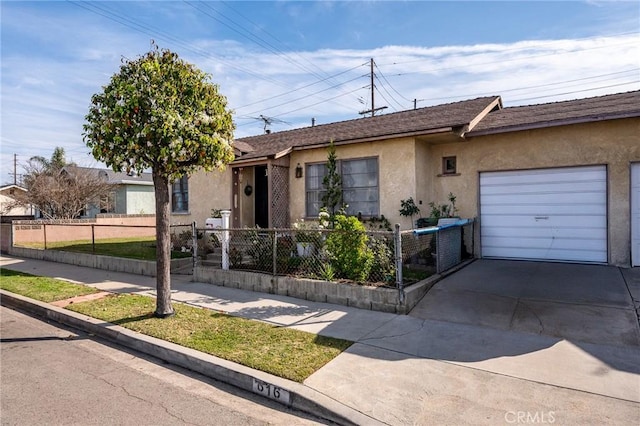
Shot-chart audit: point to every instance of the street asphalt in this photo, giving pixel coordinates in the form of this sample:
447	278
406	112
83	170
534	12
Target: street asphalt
469	353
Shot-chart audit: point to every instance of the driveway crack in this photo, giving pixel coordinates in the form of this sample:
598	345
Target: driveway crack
532	311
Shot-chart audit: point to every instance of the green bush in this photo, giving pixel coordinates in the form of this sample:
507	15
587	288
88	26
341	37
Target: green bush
347	248
383	268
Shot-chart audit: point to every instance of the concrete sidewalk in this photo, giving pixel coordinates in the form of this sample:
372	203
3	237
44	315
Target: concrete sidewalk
406	370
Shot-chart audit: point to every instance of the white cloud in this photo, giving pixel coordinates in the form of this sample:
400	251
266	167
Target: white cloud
45	97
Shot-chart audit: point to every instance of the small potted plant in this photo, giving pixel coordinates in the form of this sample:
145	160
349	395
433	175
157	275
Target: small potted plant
440	214
305	239
449	211
408	208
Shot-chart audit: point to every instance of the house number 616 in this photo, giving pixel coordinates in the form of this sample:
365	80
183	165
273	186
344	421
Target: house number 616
271	391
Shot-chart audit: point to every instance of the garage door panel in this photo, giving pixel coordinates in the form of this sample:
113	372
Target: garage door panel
586	222
546	232
547	214
513	189
541	254
545	176
576	197
541	242
545	209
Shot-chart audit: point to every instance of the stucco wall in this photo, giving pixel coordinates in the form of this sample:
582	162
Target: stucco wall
140	199
614	143
396	168
207	191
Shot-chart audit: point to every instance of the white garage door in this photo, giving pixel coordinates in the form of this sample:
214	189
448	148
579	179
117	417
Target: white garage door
635	214
545	214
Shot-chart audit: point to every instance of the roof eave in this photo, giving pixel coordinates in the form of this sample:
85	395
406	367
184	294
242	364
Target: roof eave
496	103
132	182
555	123
376	138
250	160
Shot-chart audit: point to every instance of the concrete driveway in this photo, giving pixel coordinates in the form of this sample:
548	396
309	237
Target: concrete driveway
587	303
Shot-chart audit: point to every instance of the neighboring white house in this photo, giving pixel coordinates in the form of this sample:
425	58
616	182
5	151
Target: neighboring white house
7	199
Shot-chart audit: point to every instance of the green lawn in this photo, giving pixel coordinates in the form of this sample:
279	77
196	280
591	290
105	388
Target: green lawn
142	248
284	352
41	288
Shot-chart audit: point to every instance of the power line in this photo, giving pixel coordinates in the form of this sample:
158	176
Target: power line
300	88
317	103
390	85
266	44
306	96
154	32
501	91
576	91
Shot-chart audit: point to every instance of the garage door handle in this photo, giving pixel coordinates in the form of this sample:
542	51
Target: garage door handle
541	217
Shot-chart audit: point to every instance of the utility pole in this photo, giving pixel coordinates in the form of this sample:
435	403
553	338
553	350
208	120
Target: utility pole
373	98
15	169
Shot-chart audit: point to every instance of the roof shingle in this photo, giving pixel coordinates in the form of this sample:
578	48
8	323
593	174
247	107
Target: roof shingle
384	126
619	105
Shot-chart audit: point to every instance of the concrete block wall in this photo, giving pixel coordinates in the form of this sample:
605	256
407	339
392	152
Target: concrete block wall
109	263
364	297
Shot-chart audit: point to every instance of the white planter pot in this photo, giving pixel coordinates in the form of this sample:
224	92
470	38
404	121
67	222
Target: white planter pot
305	249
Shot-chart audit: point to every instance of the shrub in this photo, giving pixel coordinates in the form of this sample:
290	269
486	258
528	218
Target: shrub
347	248
383	267
235	257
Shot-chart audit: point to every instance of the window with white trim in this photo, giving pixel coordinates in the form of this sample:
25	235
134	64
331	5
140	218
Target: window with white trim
360	186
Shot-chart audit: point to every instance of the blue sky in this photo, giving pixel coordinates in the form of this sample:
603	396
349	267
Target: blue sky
294	61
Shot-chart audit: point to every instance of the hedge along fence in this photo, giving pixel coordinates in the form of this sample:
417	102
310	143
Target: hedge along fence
43	232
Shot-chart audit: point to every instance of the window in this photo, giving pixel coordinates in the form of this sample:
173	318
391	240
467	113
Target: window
180	195
359	186
108	203
449	165
315	190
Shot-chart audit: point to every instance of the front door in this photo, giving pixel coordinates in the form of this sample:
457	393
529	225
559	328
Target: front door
261	197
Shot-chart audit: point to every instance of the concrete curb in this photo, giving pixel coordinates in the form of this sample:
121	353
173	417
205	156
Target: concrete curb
300	398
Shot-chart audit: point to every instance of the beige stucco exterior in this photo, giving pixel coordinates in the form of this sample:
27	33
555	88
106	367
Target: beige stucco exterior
412	167
207	191
396	169
615	144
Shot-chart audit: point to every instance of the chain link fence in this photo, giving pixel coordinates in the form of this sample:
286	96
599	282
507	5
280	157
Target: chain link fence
377	258
370	257
320	254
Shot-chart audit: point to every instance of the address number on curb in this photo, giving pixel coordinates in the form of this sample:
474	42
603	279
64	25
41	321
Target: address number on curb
271	391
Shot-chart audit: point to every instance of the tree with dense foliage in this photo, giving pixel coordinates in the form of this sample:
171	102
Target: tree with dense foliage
160	113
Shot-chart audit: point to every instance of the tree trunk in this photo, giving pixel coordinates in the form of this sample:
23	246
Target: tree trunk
163	247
